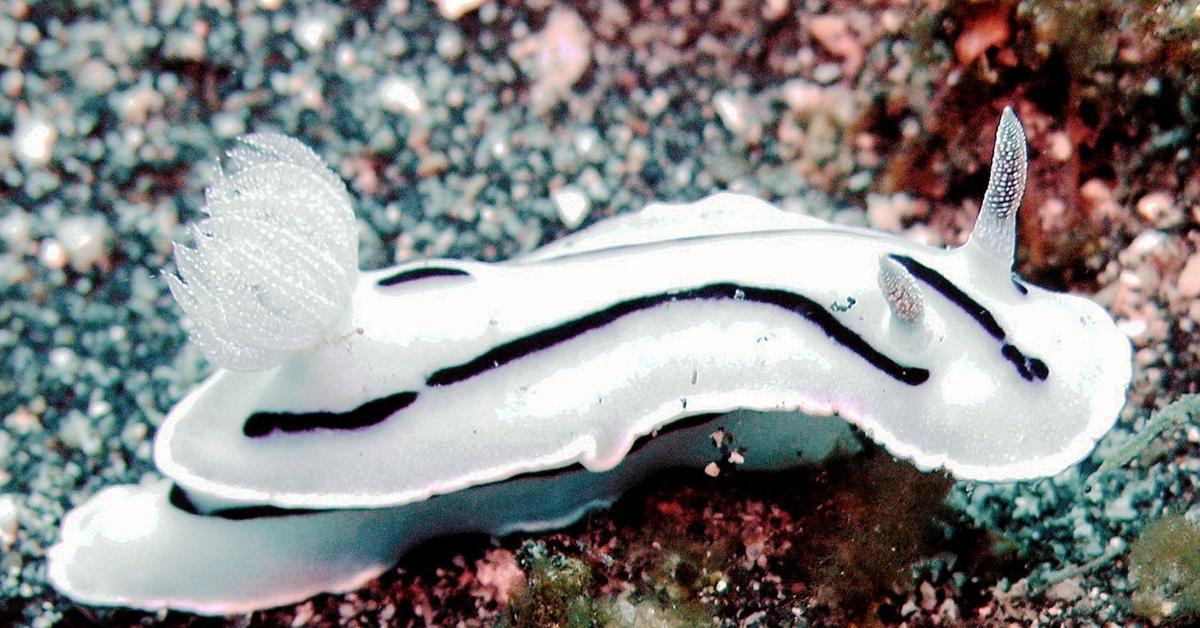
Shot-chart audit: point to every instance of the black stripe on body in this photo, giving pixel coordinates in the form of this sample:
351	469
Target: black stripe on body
790	301
375	411
179	498
1028	367
415	274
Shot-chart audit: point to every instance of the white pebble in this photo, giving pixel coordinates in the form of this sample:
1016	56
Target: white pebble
587	143
228	125
14	229
97	76
399	95
802	96
63	359
893	20
734	112
1147	243
731	110
657	102
573	205
8	520
135	104
1121	508
560	53
1159	208
311	31
33	139
52	254
454	9
827	73
12	272
77	432
11	83
449	44
346	56
23	421
1060	146
84	240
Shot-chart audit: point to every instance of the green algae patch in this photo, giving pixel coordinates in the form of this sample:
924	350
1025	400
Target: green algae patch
890	518
1164	570
556	592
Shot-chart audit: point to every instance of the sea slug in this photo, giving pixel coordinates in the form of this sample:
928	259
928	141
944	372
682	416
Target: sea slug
359	413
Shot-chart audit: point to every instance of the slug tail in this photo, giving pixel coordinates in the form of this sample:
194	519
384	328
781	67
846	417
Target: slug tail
273	267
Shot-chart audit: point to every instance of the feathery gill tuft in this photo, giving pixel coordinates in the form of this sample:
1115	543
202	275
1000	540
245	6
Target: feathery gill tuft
274	265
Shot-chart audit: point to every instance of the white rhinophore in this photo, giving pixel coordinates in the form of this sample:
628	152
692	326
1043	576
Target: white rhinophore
995	232
901	290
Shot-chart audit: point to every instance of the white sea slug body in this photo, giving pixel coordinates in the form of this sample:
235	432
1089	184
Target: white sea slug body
458	379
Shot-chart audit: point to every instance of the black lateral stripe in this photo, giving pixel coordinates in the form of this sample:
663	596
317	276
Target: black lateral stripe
938	282
792	302
1029	368
245	513
420	273
1012	354
179	498
262	424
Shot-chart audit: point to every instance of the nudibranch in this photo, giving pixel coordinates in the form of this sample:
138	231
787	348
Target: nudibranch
358	413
